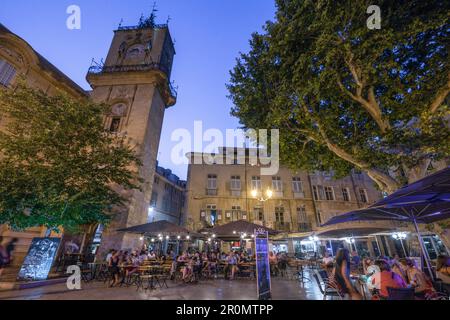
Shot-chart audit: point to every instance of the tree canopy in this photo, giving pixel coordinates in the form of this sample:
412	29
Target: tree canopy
58	166
345	96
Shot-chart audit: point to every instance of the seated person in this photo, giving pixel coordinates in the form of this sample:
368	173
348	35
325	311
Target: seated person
398	269
327	261
443	269
385	279
273	261
418	279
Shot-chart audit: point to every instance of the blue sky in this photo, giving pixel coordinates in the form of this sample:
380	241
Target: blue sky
208	36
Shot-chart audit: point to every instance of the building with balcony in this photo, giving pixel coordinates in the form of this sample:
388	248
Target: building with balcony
300	203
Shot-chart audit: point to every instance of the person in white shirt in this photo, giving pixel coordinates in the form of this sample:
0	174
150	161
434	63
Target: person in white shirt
151	255
327	260
109	255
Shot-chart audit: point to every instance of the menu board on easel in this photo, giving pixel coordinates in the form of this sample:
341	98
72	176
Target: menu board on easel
39	259
262	264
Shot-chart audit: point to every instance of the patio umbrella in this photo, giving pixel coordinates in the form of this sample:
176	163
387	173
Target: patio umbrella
160	227
239	227
424	201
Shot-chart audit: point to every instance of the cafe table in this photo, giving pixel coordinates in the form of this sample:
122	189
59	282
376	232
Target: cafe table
300	264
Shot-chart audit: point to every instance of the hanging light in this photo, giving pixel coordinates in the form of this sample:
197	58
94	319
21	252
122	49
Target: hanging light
141	238
178	237
187	237
399	235
213	235
167	237
209	239
234	232
153	240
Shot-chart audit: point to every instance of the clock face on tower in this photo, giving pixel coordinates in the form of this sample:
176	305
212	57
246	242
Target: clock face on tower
135	52
119	109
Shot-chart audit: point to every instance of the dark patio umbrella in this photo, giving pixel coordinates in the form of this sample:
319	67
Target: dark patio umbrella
160	227
239	227
424	201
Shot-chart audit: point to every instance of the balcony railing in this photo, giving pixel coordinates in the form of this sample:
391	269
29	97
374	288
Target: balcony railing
282	226
137	27
304	227
98	69
211	192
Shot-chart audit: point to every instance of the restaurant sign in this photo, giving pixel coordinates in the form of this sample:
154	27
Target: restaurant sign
262	264
39	260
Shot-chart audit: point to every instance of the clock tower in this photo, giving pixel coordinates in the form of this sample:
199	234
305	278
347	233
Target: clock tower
135	82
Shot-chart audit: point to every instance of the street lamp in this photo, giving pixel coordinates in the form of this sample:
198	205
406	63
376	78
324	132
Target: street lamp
400	236
269	195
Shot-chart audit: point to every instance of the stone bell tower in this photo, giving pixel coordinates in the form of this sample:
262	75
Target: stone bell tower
135	82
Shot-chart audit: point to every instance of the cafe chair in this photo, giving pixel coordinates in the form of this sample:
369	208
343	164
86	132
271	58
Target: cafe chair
400	293
326	285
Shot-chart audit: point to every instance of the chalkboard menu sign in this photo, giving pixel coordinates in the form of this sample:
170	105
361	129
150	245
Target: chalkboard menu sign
39	259
262	264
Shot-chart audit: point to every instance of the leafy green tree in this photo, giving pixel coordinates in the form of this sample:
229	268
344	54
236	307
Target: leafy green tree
345	96
58	166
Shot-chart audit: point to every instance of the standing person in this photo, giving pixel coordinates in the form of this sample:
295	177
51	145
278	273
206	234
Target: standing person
109	255
114	268
355	260
273	261
3	256
232	264
342	274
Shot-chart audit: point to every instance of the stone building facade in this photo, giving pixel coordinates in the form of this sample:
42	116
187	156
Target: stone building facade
135	82
301	201
19	60
168	197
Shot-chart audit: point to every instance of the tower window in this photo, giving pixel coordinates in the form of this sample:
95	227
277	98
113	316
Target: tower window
7	72
115	124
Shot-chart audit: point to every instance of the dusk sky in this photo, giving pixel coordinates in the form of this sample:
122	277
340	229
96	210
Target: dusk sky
208	34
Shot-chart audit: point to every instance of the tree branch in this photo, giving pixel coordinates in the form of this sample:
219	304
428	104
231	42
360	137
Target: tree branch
384	181
370	104
442	94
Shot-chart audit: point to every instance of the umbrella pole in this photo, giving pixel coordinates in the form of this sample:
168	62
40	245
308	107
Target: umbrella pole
424	252
403	247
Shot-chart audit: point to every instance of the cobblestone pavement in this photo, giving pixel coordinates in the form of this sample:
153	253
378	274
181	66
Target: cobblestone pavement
219	289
